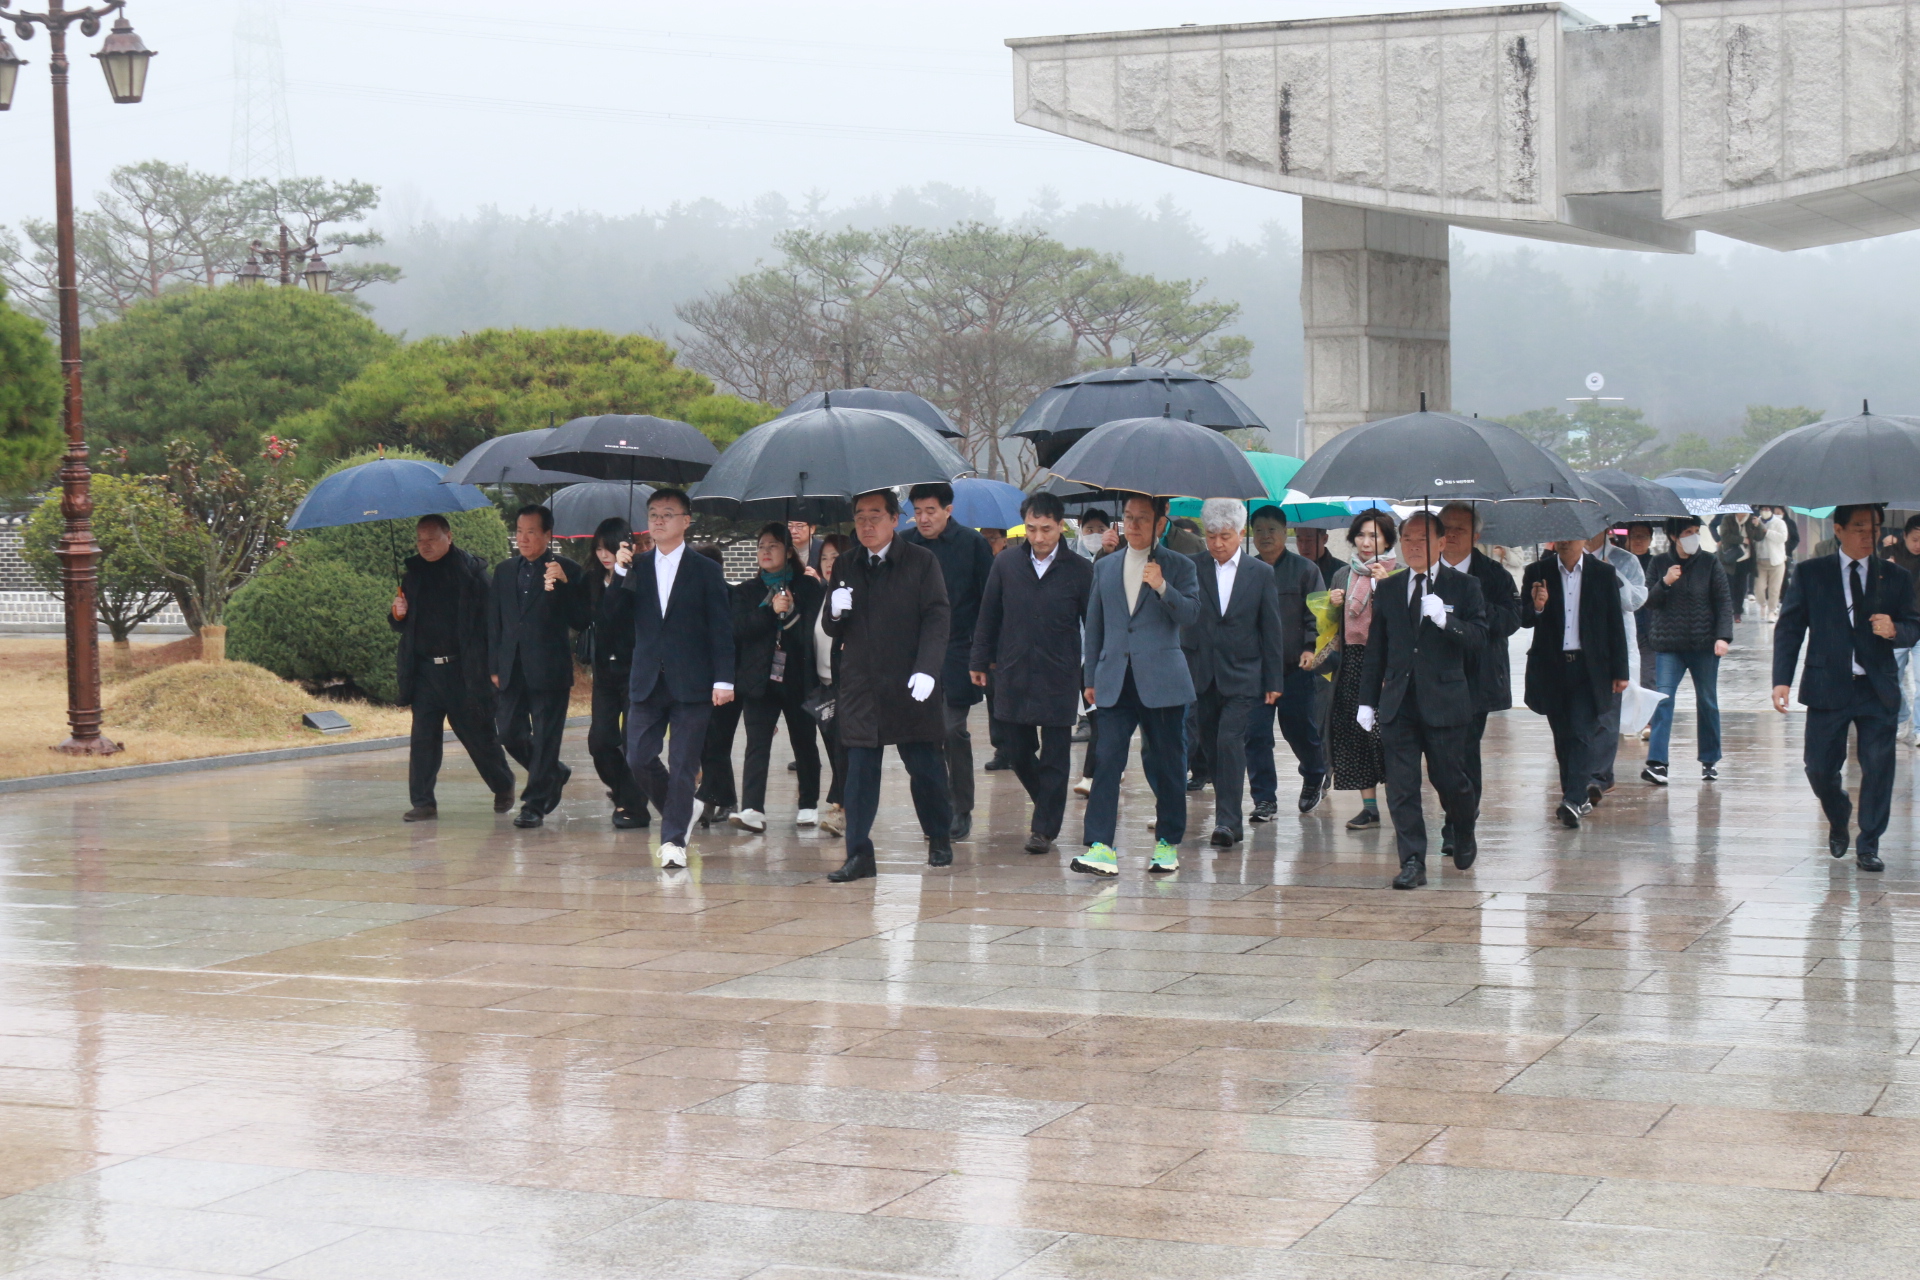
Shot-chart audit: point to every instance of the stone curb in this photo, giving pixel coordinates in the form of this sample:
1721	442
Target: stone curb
201	764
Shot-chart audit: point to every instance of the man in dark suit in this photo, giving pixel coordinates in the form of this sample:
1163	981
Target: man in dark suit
682	664
1028	642
1859	609
965	559
887	606
1577	663
1489	671
537	599
1295	578
1427	620
1136	674
1234	654
441	615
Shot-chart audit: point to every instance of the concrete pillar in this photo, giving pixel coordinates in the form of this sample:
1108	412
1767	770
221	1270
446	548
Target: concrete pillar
1375	303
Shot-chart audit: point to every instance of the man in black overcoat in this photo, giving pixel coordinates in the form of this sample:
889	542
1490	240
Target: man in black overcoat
1426	620
441	615
1028	641
537	600
1577	663
1853	610
887	605
1489	670
965	560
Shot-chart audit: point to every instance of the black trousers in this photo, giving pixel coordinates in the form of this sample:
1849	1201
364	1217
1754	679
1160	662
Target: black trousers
1403	741
763	715
1223	724
959	753
607	740
716	757
1825	753
996	728
1042	756
531	722
440	699
925	779
682	726
1476	730
1578	728
1300	714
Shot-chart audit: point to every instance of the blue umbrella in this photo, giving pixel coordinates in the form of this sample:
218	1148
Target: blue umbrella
384	489
982	504
1701	496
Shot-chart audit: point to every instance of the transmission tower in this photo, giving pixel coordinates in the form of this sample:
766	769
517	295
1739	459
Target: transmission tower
262	144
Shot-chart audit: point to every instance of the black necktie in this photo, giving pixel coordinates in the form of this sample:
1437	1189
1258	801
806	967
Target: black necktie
1857	612
873	561
1419	590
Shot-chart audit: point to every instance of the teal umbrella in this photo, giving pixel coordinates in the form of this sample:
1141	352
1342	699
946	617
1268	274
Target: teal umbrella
1274	470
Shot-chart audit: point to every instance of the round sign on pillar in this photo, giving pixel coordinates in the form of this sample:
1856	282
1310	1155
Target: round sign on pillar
1595	384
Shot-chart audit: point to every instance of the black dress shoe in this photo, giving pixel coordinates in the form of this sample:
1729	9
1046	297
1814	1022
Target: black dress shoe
1569	816
1197	783
503	801
1595	794
793	766
962	828
1263	811
858	866
1312	794
999	764
1369	816
421	813
1413	874
1869	858
1037	843
529	817
1465	850
1223	838
1837	841
627	819
939	853
715	813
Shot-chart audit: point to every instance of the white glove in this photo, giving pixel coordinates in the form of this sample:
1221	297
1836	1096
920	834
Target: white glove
1363	716
1434	609
920	685
842	600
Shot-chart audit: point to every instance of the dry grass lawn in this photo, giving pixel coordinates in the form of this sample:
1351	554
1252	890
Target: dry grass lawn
164	709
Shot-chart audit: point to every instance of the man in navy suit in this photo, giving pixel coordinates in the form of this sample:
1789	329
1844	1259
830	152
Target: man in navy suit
1135	673
682	664
1859	609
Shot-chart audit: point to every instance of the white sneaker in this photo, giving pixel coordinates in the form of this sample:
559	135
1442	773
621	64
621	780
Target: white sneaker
1084	787
673	855
807	817
750	820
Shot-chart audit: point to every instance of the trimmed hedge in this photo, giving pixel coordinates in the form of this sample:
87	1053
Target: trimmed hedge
312	618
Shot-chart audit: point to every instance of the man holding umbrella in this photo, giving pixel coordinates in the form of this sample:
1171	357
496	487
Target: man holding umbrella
440	612
1854	610
965	559
1489	672
537	598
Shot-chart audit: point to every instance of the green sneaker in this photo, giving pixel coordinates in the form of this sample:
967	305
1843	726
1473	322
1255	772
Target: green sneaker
1165	857
1100	860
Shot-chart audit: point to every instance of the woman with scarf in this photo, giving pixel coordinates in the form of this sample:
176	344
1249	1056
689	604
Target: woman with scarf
1357	761
773	673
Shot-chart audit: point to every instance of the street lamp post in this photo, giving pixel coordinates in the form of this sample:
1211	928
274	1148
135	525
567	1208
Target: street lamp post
316	275
124	60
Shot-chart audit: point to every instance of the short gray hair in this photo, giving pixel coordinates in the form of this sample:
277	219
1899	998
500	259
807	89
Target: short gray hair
1223	515
1473	513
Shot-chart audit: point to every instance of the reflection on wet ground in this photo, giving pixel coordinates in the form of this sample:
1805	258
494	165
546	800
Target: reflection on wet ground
251	1025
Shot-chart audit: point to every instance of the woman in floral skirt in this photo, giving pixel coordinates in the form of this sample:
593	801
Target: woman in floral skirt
1357	762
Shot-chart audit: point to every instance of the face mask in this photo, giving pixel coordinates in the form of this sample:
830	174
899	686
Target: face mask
1092	541
1690	543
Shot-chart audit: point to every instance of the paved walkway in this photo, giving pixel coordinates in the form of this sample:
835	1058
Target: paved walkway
251	1025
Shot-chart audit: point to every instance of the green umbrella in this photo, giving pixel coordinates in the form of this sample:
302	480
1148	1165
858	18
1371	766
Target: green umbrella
1274	470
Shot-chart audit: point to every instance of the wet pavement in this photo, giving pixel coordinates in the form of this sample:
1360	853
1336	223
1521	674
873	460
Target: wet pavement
252	1025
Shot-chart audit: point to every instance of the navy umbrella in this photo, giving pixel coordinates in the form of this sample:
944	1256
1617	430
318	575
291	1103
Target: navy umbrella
629	446
384	489
1162	458
1868	457
811	465
920	410
505	460
578	509
1066	411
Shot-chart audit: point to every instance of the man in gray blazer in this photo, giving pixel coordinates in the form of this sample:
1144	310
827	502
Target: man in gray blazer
1234	653
1136	674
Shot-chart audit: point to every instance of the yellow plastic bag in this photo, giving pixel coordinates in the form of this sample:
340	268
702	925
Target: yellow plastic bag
1327	615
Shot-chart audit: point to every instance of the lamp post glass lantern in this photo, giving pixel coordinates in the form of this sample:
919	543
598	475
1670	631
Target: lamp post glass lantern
318	274
124	59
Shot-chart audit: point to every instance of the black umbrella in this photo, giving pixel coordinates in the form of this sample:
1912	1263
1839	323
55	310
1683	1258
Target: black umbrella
1436	457
923	411
578	509
505	460
629	446
1524	522
810	466
1638	497
1866	458
1162	458
1066	411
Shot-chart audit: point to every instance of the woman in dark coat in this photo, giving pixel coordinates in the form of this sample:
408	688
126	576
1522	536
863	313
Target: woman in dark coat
773	658
1358	764
607	646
